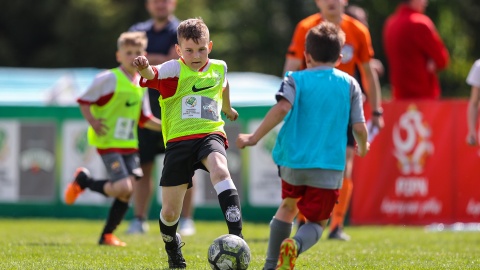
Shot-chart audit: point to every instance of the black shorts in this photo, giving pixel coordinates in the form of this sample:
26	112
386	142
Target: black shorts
182	158
122	166
150	144
350	138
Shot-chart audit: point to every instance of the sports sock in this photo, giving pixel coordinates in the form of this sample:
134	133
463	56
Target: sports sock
115	216
168	231
307	236
301	219
230	204
340	209
279	231
84	182
97	186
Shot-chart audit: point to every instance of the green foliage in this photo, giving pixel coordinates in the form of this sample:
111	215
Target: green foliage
250	35
71	244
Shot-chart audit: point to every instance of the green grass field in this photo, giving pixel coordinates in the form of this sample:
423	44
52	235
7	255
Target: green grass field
71	244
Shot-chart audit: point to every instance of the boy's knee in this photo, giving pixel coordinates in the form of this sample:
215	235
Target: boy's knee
288	206
124	188
220	173
169	215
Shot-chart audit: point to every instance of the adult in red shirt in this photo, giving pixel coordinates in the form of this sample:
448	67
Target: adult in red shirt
415	52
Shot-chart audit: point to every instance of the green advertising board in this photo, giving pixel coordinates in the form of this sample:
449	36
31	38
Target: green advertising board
40	147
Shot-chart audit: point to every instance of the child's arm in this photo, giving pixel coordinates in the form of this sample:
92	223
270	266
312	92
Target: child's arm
227	109
97	124
361	135
274	116
154	124
144	68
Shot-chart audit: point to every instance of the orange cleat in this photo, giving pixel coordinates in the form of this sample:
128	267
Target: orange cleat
288	254
111	240
74	189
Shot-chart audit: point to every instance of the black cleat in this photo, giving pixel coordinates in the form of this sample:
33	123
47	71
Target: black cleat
338	234
175	256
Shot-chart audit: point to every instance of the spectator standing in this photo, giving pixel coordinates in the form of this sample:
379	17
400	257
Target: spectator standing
415	52
161	30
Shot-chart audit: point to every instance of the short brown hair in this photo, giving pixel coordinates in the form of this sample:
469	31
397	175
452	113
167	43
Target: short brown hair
194	29
324	42
132	39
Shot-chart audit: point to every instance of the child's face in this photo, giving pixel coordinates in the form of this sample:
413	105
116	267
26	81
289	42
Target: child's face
331	8
195	55
127	53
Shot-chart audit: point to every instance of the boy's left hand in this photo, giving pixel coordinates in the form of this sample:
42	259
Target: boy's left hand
231	114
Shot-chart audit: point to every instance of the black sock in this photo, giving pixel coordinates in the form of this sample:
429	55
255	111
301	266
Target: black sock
83	180
115	216
169	234
97	186
232	211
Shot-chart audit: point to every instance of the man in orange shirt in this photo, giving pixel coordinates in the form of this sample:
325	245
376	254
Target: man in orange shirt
356	51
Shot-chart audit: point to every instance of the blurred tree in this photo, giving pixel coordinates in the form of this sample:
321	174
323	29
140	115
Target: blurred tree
250	35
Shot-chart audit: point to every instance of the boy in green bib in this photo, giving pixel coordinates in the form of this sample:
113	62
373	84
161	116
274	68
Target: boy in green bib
193	94
114	105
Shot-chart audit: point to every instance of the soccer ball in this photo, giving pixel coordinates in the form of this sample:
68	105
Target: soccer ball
229	252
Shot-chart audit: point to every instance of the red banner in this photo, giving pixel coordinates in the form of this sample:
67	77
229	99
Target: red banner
419	169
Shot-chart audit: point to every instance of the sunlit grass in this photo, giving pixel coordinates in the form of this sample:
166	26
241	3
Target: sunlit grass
72	244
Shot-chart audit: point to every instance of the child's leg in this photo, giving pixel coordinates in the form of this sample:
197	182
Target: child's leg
317	205
280	229
172	201
121	169
216	163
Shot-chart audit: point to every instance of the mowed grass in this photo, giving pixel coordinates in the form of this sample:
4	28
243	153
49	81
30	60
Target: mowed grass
72	244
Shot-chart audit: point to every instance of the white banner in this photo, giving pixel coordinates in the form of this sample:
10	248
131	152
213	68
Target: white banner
9	149
264	188
200	179
78	153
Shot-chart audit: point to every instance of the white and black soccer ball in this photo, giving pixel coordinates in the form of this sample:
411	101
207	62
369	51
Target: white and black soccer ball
229	252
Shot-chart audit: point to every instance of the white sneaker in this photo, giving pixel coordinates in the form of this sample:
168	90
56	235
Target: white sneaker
138	226
187	227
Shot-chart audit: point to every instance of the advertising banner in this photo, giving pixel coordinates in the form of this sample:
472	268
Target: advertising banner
37	161
417	168
264	187
9	170
76	153
466	160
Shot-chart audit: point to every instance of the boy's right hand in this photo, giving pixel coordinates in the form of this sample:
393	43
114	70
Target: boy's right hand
244	140
141	62
99	127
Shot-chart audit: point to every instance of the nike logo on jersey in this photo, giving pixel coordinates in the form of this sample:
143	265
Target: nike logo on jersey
128	103
195	89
